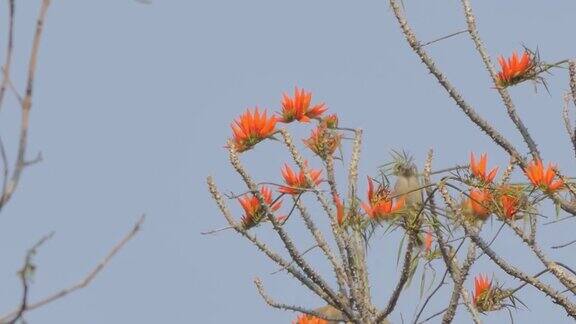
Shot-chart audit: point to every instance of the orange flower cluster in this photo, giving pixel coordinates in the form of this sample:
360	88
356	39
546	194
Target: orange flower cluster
297	181
482	287
509	205
331	121
340	210
309	319
251	128
428	240
543	178
485	200
515	69
380	205
323	142
482	202
298	108
253	211
479	202
478	169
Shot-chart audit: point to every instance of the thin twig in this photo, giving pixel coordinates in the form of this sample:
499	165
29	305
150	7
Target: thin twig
9	51
454	94
84	282
301	277
25	274
274	304
563	245
444	37
26	106
292	262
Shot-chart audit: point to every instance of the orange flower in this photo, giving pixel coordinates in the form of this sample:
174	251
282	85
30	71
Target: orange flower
251	128
478	169
514	70
339	210
298	108
323	142
331	121
379	205
509	205
309	319
482	286
253	211
298	180
543	178
479	201
428	240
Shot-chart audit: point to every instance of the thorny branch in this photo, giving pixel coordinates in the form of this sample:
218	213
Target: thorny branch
353	297
506	99
294	308
263	248
504	265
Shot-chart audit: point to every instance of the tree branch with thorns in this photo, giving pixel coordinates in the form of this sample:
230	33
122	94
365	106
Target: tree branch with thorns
440	214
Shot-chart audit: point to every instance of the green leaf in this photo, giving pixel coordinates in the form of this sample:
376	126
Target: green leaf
422	283
400	250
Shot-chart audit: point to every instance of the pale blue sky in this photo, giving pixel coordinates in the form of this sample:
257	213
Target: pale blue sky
132	109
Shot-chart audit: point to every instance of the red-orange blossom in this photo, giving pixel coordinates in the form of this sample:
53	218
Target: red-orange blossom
298	108
251	128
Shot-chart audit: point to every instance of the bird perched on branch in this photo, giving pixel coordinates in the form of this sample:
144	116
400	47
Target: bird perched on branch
329	311
407	183
409	187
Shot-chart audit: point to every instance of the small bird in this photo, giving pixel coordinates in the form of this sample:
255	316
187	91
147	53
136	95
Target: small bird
329	311
408	186
407	183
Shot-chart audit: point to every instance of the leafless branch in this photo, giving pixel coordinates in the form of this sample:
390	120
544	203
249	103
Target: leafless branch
444	37
9	51
506	99
287	241
20	163
84	282
262	247
293	308
572	75
567	123
450	89
26	273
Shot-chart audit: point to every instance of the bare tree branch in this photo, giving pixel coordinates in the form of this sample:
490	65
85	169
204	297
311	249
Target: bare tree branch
26	106
473	31
12	316
262	247
25	274
293	308
9	51
450	89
